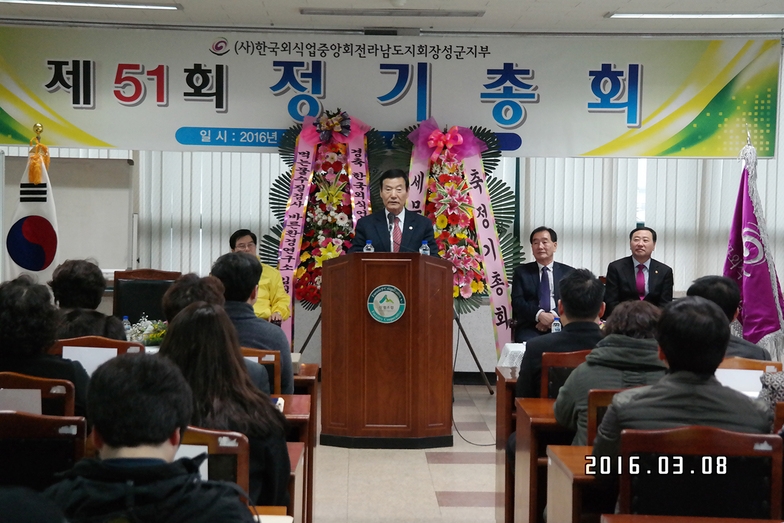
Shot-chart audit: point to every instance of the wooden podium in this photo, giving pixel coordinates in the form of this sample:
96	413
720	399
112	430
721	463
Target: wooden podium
386	384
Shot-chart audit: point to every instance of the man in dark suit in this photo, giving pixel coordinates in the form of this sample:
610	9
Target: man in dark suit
394	229
638	277
534	298
579	309
724	292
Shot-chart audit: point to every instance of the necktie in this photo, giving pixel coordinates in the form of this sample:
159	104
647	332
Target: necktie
641	281
397	236
544	290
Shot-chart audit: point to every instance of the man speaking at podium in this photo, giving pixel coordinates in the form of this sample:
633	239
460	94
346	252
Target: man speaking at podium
395	229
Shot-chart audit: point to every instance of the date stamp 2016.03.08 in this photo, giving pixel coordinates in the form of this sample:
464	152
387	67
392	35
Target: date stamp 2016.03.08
663	465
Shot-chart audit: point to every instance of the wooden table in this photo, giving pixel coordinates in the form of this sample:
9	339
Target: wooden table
536	428
297	410
506	381
306	382
566	479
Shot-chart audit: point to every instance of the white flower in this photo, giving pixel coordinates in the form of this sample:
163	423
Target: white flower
342	219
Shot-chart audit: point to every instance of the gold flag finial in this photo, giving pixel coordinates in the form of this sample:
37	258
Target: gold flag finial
39	156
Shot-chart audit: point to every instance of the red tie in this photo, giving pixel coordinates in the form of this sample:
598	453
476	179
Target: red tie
641	281
397	236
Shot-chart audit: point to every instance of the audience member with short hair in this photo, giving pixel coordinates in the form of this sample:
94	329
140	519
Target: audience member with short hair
724	292
78	287
579	309
626	357
190	288
239	272
28	321
692	334
272	302
139	406
203	344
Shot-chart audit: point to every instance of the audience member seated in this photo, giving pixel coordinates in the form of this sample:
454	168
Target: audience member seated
272	302
626	357
27	329
139	406
239	272
189	288
724	292
202	342
579	308
78	286
692	334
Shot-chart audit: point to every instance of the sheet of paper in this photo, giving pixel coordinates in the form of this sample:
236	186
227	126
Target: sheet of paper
90	357
254	359
191	451
21	400
742	380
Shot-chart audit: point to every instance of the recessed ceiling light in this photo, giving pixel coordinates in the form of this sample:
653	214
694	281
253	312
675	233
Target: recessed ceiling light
115	5
692	16
390	12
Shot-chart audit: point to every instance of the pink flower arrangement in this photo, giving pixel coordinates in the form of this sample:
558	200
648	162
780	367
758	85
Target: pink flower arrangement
449	207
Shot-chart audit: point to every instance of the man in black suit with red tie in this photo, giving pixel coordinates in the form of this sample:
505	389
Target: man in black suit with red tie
638	277
394	229
534	298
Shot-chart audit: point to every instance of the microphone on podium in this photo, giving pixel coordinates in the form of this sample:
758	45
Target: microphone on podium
391	220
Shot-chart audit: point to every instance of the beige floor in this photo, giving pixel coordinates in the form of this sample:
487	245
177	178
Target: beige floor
454	484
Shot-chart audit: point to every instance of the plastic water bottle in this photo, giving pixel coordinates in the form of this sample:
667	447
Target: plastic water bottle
425	248
127	327
368	247
556	324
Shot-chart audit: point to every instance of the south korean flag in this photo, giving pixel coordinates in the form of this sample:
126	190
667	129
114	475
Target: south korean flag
32	240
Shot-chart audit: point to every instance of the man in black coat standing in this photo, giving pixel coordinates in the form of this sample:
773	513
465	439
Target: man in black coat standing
394	229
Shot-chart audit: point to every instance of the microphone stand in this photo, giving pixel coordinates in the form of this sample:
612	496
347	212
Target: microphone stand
456	317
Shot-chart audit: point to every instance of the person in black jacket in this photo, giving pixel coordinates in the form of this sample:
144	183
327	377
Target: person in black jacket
28	322
203	344
139	406
724	292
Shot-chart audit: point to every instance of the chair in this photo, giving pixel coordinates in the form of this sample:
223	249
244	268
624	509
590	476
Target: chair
598	402
228	454
57	396
140	292
556	367
34	448
749	364
98	342
778	417
724	474
271	361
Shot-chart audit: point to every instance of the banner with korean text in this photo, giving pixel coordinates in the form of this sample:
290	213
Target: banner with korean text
543	96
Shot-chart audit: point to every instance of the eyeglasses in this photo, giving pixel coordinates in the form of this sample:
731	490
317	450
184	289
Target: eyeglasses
245	246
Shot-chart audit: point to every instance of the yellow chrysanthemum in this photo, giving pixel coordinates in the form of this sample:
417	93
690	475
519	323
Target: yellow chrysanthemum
327	253
461	236
477	286
300	272
305	256
442	222
455	291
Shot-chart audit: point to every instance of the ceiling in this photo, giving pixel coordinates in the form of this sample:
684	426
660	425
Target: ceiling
500	16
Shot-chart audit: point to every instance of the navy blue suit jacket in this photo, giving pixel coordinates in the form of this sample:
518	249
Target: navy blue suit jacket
416	229
525	297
